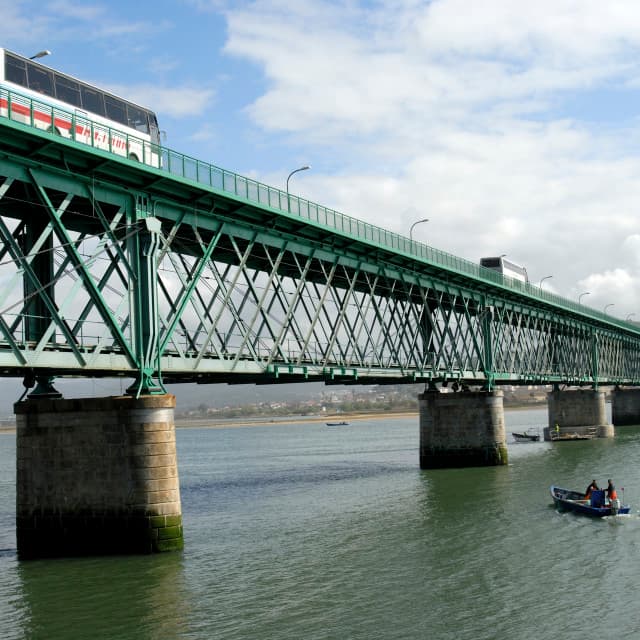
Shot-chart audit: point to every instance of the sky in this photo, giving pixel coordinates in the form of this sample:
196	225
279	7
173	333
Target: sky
511	126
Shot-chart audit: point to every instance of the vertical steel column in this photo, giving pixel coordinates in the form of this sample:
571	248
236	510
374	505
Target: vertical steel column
38	316
595	358
486	316
428	356
143	291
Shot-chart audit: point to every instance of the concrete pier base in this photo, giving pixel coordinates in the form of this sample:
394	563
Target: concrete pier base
581	412
97	476
462	429
625	406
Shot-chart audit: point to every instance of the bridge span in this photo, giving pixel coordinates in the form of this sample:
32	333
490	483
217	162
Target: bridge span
186	272
189	272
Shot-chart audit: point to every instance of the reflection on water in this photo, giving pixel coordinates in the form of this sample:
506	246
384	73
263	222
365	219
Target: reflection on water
302	531
115	597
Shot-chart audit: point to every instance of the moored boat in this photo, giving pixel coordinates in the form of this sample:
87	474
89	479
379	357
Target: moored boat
525	437
337	424
595	506
569	434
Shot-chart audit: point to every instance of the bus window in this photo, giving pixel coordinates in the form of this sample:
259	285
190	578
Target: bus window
67	90
15	70
40	80
92	100
115	109
491	263
137	119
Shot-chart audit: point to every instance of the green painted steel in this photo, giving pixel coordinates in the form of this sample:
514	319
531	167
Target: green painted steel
189	272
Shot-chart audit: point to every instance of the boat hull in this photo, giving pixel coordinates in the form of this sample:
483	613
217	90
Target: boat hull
525	437
574	501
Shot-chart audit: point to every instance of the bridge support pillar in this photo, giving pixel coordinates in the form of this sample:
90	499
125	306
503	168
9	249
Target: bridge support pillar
580	412
625	406
97	476
462	429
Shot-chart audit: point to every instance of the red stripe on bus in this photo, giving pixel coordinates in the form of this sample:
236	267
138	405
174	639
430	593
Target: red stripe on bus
45	118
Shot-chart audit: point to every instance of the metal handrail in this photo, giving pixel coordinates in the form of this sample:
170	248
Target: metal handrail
186	167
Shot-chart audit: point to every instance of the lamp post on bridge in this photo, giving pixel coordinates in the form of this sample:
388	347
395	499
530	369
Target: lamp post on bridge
543	279
586	293
414	224
306	166
611	304
40	54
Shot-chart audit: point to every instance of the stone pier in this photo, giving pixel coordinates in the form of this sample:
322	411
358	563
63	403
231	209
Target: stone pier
97	476
463	429
580	412
625	406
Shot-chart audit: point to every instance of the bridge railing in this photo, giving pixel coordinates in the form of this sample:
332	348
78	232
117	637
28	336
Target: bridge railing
40	115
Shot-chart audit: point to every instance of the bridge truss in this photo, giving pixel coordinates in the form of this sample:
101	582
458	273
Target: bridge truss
112	268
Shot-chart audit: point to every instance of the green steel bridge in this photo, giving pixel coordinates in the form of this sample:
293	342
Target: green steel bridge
187	272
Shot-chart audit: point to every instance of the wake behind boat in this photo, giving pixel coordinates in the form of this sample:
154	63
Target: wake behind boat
595	506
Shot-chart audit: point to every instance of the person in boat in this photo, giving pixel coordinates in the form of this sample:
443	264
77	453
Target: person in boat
592	487
611	490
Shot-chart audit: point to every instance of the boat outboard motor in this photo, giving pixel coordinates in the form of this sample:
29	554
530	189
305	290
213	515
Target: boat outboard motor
615	507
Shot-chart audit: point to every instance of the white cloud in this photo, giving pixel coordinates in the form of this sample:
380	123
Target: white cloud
562	32
177	102
474	115
458	111
446	59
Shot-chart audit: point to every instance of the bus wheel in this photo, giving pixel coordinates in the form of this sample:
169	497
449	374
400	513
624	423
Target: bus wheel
134	157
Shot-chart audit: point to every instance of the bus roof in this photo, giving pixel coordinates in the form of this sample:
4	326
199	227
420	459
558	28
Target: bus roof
67	75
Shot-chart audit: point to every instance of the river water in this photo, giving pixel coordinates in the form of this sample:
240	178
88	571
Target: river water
299	531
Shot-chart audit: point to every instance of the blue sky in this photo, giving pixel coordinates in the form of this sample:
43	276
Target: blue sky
513	128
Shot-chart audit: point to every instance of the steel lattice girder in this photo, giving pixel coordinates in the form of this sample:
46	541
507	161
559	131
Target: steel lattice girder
254	301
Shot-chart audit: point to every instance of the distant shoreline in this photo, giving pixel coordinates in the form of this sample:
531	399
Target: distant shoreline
225	423
261	421
232	423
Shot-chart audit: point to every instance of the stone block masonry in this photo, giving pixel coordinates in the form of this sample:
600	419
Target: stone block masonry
577	411
625	406
97	476
462	429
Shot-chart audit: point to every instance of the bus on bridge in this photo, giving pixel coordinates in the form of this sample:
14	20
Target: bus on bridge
76	109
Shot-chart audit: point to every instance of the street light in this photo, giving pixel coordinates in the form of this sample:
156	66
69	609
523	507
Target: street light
586	293
414	224
611	304
41	54
543	279
288	177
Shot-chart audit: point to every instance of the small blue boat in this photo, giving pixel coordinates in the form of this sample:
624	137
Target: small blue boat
595	506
